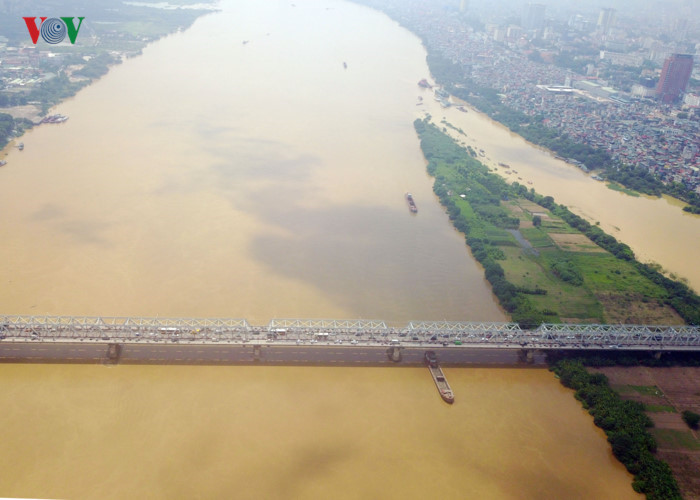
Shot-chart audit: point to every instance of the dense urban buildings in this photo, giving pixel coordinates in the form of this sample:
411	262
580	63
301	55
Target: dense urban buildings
612	104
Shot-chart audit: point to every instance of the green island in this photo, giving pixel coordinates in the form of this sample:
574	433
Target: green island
545	263
533	129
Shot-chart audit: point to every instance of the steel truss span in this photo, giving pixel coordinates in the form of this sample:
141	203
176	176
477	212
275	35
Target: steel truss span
327	324
352	332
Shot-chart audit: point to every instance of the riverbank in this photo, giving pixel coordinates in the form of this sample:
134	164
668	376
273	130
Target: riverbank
625	425
61	72
545	263
665	393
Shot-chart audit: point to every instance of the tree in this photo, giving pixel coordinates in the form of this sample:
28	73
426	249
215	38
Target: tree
691	418
537	221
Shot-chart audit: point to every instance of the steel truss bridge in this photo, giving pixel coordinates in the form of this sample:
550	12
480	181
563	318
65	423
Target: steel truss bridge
117	330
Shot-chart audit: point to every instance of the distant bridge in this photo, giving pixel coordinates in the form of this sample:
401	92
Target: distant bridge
364	333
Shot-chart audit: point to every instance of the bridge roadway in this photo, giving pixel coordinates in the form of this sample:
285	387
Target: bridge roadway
226	354
323	341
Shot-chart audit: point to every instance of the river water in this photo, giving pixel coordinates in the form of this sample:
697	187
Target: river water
296	432
260	180
210	177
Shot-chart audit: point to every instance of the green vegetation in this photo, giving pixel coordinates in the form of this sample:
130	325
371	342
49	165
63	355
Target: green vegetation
672	438
449	125
645	390
625	425
616	187
7	125
566	270
691	418
626	358
533	129
53	91
10	127
659	408
98	66
545	263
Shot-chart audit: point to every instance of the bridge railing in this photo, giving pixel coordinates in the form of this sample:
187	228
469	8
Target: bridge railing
416	333
619	335
126	328
314	325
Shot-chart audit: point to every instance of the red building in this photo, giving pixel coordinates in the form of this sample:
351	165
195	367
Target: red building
674	77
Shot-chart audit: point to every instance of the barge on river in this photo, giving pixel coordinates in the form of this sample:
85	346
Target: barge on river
411	203
441	383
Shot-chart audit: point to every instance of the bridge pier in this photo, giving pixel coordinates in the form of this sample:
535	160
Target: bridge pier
256	353
394	354
657	355
526	356
114	353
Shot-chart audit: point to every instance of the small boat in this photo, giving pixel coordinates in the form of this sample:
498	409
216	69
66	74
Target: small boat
21	146
55	119
411	203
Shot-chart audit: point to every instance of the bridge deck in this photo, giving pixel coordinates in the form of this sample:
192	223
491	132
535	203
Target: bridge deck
347	332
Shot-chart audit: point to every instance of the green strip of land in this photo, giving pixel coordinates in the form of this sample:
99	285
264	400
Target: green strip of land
546	264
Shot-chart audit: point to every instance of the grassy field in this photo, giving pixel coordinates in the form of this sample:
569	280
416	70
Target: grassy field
672	438
616	187
611	287
659	408
570	302
644	390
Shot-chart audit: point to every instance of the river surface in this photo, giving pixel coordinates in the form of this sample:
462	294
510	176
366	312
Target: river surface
261	180
295	432
210	177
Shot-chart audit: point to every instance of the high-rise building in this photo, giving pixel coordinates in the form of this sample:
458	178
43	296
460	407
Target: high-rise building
533	16
606	20
674	77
